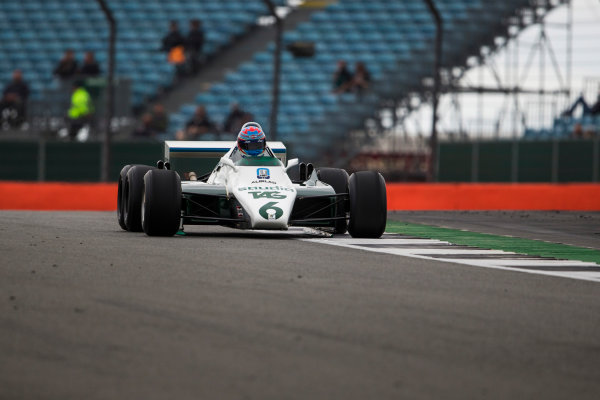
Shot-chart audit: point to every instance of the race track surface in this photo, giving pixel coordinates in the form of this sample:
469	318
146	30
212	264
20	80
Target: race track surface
90	311
578	228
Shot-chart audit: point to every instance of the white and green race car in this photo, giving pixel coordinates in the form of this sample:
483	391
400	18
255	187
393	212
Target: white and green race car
248	193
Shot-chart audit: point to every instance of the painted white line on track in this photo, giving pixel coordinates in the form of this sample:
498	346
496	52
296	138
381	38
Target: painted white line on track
437	250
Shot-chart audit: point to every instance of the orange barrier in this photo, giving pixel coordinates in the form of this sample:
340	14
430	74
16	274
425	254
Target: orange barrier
409	196
58	196
494	196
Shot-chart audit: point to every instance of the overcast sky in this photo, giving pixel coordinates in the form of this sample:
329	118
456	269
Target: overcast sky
479	117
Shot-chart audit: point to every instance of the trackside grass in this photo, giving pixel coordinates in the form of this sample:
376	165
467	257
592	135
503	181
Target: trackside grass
495	242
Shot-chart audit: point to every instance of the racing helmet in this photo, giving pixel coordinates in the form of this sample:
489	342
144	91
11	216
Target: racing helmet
251	140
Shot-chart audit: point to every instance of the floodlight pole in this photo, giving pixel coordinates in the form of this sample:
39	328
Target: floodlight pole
276	70
437	60
110	95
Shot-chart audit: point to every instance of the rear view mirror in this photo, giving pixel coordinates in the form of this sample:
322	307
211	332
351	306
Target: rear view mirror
227	161
291	163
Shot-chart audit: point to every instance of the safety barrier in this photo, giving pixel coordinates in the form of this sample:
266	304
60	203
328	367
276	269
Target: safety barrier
491	196
556	161
437	196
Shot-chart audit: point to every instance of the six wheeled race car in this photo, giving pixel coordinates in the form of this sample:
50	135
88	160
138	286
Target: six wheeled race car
248	193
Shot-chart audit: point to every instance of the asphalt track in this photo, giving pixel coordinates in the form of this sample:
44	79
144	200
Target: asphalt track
89	311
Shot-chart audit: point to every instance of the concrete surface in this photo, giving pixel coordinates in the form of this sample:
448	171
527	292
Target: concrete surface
89	311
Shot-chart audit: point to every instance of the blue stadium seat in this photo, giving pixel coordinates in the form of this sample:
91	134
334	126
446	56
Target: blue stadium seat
394	38
56	25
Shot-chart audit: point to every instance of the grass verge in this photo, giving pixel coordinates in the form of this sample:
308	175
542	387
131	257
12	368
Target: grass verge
495	242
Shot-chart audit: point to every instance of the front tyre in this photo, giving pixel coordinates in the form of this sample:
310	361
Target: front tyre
161	203
120	197
338	180
368	204
133	191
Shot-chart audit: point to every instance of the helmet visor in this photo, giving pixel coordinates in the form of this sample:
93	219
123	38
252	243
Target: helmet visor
252	146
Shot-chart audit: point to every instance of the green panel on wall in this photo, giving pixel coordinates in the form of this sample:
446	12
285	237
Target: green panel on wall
495	162
66	161
455	162
123	153
597	145
18	161
535	162
575	161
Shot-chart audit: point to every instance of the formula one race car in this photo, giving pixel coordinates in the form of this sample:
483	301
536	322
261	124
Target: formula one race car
248	193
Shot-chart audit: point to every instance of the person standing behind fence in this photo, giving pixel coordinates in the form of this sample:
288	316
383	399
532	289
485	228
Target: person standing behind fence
197	126
235	119
89	67
342	78
194	43
67	66
173	44
361	78
14	100
160	119
81	109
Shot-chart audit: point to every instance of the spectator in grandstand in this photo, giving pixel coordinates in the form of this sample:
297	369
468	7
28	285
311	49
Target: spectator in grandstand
14	100
194	42
67	66
342	78
577	131
361	78
81	110
581	132
587	109
145	128
172	39
160	119
90	66
174	45
197	126
235	119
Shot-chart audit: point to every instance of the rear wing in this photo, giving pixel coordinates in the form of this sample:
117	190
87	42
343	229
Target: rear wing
211	149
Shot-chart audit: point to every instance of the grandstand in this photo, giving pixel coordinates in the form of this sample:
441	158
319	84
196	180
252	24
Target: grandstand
564	127
393	38
36	32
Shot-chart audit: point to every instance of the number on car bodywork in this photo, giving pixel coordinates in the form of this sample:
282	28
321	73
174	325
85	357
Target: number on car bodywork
270	211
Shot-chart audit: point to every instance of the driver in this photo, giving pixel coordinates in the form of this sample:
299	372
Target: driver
251	141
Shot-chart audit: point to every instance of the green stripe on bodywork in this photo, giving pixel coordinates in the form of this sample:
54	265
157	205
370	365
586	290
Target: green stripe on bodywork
487	241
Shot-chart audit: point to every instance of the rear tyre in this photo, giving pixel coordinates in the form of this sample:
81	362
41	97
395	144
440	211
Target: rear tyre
338	180
161	203
368	204
120	199
133	191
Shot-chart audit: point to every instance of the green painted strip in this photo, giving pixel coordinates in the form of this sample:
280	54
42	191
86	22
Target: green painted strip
487	241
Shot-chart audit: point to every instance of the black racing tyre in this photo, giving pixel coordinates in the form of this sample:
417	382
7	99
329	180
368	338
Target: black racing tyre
368	204
120	200
338	179
133	191
161	204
